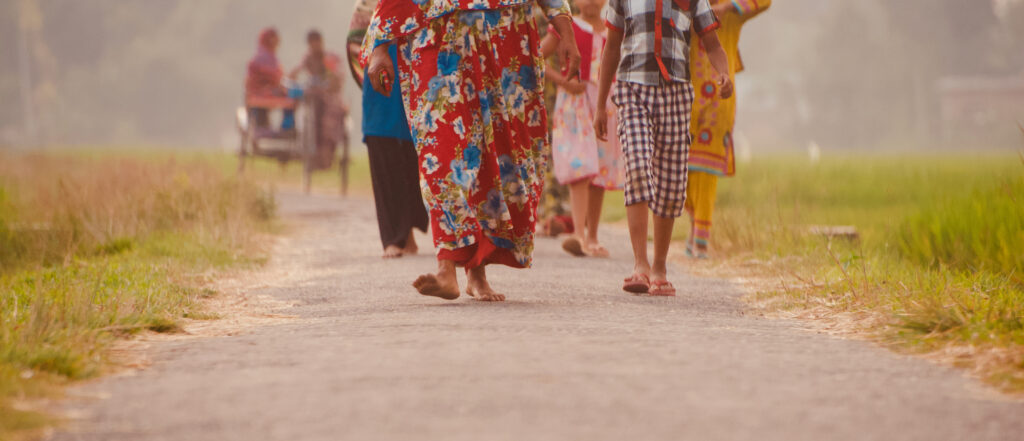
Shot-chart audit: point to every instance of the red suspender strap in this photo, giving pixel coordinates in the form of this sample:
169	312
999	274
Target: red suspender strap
659	17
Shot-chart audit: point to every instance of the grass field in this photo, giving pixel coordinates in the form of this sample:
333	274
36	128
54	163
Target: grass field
98	245
938	267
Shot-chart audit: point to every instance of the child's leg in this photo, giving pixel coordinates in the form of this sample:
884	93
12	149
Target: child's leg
636	215
669	162
662	240
579	200
578	194
595	202
636	134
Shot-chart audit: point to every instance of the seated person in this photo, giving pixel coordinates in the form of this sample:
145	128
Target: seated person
264	79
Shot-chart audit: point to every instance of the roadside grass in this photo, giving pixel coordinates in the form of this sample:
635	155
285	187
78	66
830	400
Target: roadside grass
96	247
937	268
261	170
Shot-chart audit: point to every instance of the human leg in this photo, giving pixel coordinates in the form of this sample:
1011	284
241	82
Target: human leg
595	204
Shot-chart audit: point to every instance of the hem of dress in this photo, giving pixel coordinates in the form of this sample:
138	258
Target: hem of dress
482	252
710	171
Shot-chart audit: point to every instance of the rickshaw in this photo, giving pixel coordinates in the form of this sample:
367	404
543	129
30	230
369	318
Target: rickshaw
297	143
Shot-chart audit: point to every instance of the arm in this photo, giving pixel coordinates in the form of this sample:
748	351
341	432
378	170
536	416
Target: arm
609	65
296	71
719	61
567	49
548	45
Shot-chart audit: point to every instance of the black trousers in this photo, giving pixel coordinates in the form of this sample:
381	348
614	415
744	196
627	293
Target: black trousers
394	170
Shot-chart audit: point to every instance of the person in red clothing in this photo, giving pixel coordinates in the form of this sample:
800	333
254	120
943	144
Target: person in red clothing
472	78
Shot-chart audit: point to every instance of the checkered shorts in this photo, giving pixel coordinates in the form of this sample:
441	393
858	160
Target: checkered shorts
654	129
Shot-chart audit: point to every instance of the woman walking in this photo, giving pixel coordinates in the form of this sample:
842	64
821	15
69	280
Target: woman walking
711	154
587	165
393	163
472	80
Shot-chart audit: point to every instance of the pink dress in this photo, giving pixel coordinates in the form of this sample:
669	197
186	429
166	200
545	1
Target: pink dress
576	151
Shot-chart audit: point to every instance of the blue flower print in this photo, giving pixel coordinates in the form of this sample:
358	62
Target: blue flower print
472	157
492	17
459	174
451	224
434	87
495	207
509	80
485	106
576	163
508	169
501	242
469	18
448	62
528	77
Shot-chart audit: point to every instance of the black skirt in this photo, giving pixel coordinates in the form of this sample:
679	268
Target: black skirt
394	170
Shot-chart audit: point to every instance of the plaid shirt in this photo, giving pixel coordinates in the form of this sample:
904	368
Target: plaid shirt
656	40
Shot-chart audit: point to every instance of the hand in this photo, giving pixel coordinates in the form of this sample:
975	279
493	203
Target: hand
601	123
575	86
724	85
381	70
567	50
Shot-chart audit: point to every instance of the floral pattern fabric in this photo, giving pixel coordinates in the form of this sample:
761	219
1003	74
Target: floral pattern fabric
394	19
714	117
474	96
576	151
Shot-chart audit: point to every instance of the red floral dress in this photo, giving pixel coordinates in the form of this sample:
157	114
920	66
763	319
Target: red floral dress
472	80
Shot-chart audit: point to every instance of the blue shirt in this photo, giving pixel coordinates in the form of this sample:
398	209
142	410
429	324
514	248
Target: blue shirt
384	116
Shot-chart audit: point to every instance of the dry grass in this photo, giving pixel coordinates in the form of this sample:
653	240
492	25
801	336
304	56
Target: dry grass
97	247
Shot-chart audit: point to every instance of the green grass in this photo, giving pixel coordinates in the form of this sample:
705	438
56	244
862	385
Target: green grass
938	263
98	246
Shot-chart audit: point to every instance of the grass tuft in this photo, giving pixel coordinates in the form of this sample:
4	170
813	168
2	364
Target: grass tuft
95	248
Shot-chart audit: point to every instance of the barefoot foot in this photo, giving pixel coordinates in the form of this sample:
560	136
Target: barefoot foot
478	287
411	248
444	284
593	248
392	252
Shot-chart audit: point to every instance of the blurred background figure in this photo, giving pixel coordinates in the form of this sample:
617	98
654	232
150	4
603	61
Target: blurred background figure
587	165
264	80
394	166
324	89
711	126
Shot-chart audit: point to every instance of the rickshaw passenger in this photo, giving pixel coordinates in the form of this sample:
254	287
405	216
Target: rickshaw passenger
264	78
325	93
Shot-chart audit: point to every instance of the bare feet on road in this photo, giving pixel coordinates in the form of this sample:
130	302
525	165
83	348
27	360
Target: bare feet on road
478	287
444	284
393	252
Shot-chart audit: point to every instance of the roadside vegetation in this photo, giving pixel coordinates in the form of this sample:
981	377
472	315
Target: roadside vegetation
937	269
99	246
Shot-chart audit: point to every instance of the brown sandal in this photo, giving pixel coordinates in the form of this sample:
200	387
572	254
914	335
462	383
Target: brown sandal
573	246
637	284
662	288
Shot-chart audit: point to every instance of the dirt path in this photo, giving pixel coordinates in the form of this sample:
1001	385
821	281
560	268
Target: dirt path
569	357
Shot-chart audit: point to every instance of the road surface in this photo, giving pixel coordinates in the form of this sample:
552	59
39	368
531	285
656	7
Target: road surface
568	357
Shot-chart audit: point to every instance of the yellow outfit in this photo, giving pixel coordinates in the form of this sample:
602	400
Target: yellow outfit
711	154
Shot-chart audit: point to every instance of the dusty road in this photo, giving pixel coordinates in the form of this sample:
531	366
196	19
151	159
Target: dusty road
569	357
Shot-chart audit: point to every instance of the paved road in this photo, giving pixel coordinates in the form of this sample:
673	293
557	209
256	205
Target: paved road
569	357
